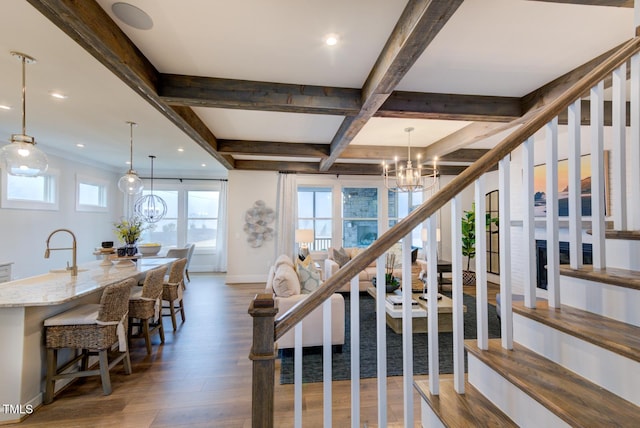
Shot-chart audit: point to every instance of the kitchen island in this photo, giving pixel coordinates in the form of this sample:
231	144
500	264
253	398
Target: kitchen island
25	304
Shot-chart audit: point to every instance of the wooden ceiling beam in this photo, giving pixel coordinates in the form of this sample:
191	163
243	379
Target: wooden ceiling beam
198	91
92	28
417	105
614	3
420	22
271	148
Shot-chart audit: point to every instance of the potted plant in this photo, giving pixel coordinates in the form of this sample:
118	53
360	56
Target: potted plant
469	241
129	231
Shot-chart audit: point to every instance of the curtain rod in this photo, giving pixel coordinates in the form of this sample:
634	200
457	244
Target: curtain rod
185	179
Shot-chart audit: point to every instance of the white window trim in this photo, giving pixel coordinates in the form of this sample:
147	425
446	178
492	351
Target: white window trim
104	184
24	204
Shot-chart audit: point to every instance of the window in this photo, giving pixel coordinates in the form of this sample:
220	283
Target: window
493	234
38	193
359	216
202	217
400	205
192	217
315	212
91	194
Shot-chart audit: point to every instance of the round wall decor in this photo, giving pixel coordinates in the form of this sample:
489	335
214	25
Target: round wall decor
257	220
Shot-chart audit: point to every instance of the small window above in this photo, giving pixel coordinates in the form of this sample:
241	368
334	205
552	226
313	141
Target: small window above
31	193
91	194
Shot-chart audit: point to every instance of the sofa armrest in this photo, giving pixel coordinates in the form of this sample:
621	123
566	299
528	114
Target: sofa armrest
330	267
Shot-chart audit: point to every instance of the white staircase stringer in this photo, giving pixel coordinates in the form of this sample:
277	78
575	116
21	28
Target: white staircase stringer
618	303
515	403
613	372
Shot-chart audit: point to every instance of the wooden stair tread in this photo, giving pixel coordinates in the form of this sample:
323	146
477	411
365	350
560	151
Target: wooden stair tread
572	398
629	235
607	333
612	276
471	409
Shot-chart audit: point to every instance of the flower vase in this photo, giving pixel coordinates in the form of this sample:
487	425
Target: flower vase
131	250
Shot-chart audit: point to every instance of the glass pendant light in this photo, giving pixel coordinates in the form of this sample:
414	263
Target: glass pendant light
21	156
130	183
151	208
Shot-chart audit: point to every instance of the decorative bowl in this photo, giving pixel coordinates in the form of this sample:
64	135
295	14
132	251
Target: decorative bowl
150	249
390	286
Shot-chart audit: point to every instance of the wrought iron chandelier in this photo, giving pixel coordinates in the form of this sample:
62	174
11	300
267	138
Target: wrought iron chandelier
409	178
151	208
22	157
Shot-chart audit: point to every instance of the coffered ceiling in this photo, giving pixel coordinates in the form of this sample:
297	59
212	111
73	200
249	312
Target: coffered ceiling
252	85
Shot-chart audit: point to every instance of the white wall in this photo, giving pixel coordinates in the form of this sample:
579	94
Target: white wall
23	233
244	263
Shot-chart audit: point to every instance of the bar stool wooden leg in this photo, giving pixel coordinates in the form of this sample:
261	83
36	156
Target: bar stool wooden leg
161	330
104	371
127	362
145	333
52	367
172	309
182	309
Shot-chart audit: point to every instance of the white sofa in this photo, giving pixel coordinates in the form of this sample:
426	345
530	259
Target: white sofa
312	325
364	277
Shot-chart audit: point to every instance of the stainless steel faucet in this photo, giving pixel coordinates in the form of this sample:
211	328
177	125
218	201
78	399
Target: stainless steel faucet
74	268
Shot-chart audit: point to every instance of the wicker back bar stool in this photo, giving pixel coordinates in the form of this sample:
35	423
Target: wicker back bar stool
191	248
94	329
145	306
172	290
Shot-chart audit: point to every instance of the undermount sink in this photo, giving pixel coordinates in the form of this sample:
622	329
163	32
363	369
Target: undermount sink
64	270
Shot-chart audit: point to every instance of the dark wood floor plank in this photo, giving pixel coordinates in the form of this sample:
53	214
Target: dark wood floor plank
612	276
607	333
471	409
573	398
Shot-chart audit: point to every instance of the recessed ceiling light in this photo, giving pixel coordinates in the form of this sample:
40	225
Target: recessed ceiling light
80	145
133	16
331	40
128	162
180	149
4	107
58	95
203	165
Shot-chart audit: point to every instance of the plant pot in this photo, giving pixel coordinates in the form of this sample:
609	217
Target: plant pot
468	277
390	286
131	250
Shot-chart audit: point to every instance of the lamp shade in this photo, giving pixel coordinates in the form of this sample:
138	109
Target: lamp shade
304	236
23	158
130	183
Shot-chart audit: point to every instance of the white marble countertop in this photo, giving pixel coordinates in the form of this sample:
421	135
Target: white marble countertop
56	288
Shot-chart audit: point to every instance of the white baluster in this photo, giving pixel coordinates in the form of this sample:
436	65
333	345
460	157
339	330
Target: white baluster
619	170
355	351
381	338
597	176
634	144
407	329
456	281
327	356
575	186
297	375
528	224
481	260
504	206
553	229
432	305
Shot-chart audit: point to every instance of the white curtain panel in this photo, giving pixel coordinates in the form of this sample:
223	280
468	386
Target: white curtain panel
220	257
286	214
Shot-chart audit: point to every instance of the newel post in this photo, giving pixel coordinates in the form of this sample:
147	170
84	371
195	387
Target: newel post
263	355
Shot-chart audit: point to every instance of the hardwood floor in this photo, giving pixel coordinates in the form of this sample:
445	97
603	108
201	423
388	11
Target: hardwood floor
201	377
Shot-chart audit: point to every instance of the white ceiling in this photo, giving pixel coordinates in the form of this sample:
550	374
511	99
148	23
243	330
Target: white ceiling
489	47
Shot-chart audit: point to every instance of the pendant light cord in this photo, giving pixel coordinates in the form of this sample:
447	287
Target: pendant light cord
152	158
131	125
24	96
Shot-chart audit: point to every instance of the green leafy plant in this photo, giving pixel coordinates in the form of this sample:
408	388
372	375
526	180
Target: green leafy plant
129	230
469	232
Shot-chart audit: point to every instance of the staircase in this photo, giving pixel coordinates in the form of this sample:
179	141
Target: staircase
572	360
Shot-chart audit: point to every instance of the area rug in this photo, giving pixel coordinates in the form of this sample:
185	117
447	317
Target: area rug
341	362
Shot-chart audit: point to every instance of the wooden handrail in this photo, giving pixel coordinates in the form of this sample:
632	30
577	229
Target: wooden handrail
532	123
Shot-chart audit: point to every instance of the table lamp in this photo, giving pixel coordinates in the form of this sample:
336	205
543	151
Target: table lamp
303	238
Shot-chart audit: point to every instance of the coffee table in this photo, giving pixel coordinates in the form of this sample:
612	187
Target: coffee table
419	313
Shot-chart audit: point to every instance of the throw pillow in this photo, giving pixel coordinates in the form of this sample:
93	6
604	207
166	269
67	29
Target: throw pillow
341	257
285	281
309	278
283	259
307	261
